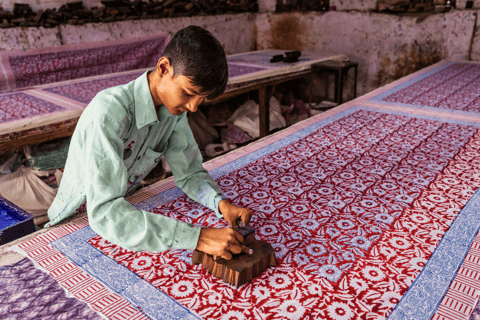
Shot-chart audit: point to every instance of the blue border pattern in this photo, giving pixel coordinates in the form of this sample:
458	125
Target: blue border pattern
419	302
427	291
140	293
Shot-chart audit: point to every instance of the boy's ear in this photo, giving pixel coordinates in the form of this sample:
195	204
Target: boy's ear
163	65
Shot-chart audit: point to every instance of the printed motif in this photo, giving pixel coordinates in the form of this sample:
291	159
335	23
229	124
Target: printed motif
29	293
454	88
353	211
86	91
15	106
235	70
30	70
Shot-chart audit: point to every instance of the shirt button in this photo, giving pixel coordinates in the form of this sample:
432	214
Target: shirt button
158	159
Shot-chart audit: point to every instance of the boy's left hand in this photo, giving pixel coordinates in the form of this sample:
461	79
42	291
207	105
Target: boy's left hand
235	215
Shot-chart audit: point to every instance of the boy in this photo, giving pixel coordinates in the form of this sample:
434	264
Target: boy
121	137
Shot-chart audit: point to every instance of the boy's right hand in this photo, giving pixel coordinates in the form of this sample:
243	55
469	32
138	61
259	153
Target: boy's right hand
221	242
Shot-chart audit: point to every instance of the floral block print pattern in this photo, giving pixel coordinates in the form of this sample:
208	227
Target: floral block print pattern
235	70
19	105
454	88
353	210
86	91
30	70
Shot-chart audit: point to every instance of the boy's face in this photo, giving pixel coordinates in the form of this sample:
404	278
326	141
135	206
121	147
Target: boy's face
176	93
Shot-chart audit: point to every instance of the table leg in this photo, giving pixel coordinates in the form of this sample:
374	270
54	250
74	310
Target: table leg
340	86
264	111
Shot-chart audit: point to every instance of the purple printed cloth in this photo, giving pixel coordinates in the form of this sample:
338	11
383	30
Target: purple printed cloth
49	65
29	293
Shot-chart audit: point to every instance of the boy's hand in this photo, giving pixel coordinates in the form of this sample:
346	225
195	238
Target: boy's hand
234	215
221	242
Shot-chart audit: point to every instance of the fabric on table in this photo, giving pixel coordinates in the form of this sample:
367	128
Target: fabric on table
453	87
371	209
85	91
47	65
348	210
18	105
29	293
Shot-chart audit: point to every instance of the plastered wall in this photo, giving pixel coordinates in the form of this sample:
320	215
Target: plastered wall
386	46
242	26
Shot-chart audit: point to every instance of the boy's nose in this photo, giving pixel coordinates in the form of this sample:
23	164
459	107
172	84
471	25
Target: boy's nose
193	104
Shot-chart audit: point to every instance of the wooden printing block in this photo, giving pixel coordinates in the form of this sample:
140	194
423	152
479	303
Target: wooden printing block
248	234
242	268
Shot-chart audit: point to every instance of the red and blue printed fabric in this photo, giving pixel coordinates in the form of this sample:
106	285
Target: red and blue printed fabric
371	212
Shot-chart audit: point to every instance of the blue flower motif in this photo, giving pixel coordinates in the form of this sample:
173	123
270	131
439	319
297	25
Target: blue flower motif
247	200
268	230
333	232
280	250
299	208
295	190
375	229
211	220
286	215
330	272
316	249
186	256
267	208
231	194
345	224
260	194
348	256
259	179
336	203
404	198
357	209
361	242
301	259
310	224
383	217
195	213
368	203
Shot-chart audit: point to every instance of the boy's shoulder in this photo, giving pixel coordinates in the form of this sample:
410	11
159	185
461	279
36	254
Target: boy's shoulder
116	102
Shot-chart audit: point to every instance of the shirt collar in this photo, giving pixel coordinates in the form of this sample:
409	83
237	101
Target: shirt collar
145	113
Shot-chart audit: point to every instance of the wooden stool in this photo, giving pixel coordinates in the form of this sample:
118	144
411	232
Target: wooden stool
339	68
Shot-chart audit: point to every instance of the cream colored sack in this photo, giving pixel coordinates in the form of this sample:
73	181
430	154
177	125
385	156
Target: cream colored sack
25	189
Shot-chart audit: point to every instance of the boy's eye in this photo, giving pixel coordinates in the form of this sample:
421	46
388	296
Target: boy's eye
185	93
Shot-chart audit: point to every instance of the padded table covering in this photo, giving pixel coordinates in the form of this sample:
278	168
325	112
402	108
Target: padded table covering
372	209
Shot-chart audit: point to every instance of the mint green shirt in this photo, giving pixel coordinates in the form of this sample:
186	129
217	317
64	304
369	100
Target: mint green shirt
118	140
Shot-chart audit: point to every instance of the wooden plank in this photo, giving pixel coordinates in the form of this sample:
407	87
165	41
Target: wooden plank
264	111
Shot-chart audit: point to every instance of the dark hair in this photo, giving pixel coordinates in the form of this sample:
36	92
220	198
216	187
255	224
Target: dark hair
196	54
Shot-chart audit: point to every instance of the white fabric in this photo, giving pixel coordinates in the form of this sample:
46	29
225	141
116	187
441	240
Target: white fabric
247	118
25	189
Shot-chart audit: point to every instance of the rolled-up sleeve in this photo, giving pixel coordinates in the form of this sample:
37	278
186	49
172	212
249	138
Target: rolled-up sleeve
110	215
185	160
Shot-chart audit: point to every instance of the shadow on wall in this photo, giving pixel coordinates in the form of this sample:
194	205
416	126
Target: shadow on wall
407	61
287	33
